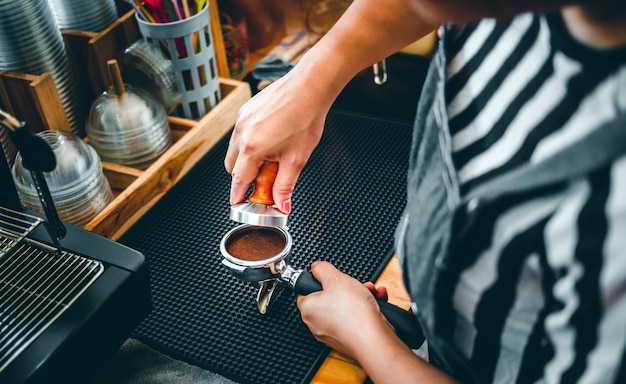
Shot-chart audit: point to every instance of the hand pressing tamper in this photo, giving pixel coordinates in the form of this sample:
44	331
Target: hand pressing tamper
260	209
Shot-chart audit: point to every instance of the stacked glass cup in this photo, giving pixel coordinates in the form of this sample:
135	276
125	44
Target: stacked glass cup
77	184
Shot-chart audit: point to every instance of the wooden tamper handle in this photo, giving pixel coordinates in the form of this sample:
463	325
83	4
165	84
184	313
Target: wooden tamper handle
262	193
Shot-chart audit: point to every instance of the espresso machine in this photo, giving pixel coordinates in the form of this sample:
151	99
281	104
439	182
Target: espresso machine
68	297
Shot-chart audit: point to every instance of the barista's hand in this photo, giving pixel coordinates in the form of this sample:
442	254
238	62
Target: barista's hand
344	314
379	292
282	123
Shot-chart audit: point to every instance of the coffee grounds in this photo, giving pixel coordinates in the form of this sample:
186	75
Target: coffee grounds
255	244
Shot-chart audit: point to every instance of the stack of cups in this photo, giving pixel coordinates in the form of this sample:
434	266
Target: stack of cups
131	130
77	184
31	43
142	66
92	15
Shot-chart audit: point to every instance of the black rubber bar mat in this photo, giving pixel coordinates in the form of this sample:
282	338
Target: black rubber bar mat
346	205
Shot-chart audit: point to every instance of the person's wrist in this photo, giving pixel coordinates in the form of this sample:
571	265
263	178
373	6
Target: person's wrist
370	336
325	73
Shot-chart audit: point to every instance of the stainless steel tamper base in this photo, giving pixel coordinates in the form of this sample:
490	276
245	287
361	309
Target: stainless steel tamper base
258	214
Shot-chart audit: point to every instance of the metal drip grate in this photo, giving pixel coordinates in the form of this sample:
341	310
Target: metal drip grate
36	286
14	226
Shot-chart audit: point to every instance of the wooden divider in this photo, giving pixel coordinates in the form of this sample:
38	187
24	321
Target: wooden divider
33	99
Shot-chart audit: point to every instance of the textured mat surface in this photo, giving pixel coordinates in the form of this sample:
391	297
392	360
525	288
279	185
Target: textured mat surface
346	206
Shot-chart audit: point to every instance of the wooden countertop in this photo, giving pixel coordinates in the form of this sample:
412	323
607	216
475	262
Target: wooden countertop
339	369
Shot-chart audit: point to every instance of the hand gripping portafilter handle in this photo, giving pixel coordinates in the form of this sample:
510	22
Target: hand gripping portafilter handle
405	323
262	193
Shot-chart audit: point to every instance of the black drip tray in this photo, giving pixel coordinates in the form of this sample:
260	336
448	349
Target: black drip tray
347	203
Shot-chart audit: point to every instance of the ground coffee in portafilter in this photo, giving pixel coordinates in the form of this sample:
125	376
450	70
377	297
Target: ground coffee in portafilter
255	244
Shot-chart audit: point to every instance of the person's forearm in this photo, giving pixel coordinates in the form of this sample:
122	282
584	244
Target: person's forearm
369	31
386	359
383	29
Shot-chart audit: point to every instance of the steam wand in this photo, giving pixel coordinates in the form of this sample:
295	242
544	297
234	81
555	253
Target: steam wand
37	157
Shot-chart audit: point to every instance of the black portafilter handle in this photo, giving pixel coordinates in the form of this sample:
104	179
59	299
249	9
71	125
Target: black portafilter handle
405	323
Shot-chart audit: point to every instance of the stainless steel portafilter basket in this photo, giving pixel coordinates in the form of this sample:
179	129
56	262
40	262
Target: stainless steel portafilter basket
259	254
243	258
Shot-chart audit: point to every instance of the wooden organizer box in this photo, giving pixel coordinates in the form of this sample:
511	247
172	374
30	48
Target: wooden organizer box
142	189
34	99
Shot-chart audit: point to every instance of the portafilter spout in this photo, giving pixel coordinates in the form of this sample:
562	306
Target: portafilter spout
259	255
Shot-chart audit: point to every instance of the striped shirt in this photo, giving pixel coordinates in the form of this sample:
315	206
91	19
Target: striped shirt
539	294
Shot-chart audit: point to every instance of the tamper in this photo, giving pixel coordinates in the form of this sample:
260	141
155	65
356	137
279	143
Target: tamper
260	210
